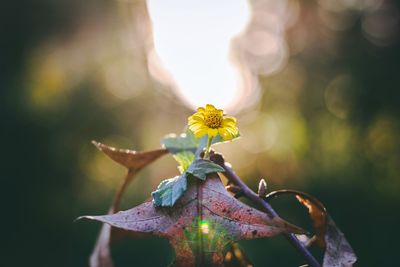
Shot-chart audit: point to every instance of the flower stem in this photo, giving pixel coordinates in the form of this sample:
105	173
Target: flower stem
208	148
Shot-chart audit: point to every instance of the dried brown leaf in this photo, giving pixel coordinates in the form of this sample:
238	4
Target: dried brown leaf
201	223
338	252
133	161
318	215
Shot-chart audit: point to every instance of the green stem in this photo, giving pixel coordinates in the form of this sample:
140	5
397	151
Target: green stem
208	148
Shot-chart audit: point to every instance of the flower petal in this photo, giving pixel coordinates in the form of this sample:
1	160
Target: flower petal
199	123
196	127
198	115
229	120
225	134
232	130
195	119
212	132
201	132
210	107
228	125
201	110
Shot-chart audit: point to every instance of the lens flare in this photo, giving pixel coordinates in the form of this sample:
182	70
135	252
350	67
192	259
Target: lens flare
204	227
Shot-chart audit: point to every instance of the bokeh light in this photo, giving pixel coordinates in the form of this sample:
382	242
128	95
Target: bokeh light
192	42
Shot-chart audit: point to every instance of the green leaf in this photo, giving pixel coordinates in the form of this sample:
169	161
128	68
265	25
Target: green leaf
202	144
184	159
184	142
188	142
182	147
201	167
169	191
216	140
186	147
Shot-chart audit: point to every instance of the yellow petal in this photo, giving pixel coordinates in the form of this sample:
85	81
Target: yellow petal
228	123
201	132
201	110
198	115
195	122
225	134
196	127
212	132
229	120
232	130
195	119
210	107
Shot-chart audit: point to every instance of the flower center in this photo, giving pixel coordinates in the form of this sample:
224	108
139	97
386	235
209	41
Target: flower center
213	119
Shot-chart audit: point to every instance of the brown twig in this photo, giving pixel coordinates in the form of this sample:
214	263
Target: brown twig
247	192
118	196
315	201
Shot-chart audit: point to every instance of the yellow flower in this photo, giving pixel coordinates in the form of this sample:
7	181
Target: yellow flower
211	121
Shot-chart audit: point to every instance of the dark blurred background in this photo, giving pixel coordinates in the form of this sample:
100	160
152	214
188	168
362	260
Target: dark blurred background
317	105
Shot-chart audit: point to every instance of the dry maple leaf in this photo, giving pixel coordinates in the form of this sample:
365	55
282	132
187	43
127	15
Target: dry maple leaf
201	223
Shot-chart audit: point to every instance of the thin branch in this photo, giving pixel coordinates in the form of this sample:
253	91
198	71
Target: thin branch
315	201
247	192
117	200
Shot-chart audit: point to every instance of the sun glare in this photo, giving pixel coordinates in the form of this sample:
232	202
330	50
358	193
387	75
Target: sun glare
192	42
204	227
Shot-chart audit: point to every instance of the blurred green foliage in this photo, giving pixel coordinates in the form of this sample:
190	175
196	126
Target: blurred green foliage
327	123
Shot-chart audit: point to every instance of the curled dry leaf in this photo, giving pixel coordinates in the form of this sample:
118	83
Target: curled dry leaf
318	215
130	159
201	223
133	161
338	252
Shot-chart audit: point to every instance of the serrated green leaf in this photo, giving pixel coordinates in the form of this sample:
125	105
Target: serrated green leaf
184	159
201	167
169	191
